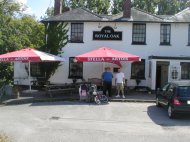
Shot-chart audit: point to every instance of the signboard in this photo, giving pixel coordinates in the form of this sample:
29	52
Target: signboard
107	33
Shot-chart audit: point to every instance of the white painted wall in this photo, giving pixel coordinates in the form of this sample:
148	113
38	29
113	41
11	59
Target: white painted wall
179	39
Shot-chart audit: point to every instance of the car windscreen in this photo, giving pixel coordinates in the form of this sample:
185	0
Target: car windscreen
183	91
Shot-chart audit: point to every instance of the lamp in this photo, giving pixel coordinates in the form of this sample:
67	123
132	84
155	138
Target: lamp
99	25
115	26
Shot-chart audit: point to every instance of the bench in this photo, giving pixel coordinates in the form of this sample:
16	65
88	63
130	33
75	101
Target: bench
51	90
96	81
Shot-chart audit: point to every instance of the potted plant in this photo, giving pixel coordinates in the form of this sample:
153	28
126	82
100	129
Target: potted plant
16	91
137	82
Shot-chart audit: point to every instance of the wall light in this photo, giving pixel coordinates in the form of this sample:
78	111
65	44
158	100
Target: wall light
115	26
99	25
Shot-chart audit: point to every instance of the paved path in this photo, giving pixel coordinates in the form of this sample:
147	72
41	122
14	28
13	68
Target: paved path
84	122
41	97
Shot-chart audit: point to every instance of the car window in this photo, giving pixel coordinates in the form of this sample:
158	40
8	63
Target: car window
165	88
183	91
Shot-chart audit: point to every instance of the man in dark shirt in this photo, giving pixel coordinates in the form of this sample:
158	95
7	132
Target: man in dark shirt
107	81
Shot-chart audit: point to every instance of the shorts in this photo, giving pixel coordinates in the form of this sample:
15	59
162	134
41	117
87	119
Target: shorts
120	86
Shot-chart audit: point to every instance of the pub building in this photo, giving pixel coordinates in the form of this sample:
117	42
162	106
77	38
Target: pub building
162	42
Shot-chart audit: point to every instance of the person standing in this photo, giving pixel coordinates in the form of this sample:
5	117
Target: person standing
107	81
120	80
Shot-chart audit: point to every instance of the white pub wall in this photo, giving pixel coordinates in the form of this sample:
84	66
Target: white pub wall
179	35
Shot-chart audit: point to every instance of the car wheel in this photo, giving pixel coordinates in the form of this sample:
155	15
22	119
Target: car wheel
171	113
157	102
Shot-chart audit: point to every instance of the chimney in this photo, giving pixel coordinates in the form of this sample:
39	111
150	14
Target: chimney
127	9
65	9
57	7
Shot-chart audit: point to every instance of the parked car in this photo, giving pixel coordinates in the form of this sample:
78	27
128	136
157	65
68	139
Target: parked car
175	97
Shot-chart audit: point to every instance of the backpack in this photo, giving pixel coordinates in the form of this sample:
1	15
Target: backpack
83	91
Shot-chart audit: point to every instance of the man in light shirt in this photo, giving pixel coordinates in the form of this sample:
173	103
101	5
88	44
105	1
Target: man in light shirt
120	80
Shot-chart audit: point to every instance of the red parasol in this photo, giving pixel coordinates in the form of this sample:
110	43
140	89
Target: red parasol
29	55
105	54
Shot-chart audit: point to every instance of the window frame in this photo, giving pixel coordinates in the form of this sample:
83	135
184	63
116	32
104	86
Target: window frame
188	35
184	73
166	33
135	67
77	67
76	30
139	32
35	69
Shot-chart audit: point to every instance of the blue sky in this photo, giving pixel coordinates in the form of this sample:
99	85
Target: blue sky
38	7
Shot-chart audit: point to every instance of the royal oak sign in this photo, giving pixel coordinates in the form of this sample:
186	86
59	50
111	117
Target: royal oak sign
107	33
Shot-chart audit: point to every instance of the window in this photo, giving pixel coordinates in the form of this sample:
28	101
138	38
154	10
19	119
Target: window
150	69
165	31
139	34
115	70
75	69
185	70
189	35
138	70
174	73
35	70
77	32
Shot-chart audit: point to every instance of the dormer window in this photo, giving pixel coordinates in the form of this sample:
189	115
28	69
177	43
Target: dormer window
165	33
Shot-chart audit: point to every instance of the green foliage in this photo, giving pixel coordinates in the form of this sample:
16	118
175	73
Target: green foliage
117	6
161	7
146	5
16	33
56	39
97	6
168	7
49	12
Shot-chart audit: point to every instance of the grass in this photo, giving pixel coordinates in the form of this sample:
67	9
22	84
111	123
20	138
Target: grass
4	138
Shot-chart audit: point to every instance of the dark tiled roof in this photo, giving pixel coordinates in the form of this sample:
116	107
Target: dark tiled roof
183	16
78	14
137	15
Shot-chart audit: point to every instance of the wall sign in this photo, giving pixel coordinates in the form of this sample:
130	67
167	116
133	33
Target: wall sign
107	33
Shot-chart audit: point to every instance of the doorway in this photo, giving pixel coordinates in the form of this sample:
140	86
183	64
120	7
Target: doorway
162	68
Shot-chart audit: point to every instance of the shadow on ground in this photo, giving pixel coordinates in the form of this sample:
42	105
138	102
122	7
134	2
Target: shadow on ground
159	116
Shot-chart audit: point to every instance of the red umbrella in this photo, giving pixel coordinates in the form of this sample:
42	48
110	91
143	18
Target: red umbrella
105	54
29	55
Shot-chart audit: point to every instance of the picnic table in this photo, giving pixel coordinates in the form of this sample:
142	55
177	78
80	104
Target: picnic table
67	88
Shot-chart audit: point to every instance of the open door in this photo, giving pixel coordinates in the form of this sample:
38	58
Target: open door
162	68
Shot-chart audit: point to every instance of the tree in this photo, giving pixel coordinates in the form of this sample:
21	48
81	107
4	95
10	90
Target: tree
168	7
117	6
49	12
56	33
184	4
146	5
97	6
161	7
16	31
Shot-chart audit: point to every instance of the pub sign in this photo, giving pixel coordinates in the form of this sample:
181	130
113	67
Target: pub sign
107	33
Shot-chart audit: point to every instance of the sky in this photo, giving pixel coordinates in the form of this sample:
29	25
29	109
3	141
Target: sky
36	7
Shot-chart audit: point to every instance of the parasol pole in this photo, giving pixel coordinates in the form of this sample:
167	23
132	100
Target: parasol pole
29	76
